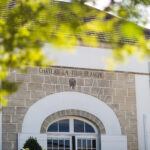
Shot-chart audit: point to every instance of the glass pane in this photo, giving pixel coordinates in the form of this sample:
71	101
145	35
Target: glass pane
61	144
53	127
84	144
89	128
64	125
78	126
89	143
55	143
49	143
67	144
79	143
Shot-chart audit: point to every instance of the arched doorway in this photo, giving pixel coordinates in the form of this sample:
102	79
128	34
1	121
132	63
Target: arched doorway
72	133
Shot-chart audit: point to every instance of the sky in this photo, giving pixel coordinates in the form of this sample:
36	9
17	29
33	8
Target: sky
101	4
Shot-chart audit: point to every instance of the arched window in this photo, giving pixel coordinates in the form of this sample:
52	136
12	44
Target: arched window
72	133
59	126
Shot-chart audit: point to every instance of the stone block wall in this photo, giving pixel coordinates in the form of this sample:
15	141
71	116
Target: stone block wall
116	89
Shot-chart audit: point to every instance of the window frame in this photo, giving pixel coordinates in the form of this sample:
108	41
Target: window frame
61	137
71	127
71	132
88	137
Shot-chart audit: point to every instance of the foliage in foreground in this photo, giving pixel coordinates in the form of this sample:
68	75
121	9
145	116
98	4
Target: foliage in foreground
28	24
32	144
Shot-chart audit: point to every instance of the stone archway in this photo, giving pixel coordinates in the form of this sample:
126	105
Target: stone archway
58	102
70	100
73	112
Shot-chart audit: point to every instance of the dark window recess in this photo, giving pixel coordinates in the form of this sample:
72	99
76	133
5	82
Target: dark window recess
94	143
73	143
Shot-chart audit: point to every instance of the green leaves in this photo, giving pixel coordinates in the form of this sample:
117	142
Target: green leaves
26	26
131	30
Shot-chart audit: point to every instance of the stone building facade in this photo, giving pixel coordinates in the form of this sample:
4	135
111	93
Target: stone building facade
115	89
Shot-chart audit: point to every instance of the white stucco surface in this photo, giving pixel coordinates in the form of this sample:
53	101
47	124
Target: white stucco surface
39	111
91	58
143	111
113	142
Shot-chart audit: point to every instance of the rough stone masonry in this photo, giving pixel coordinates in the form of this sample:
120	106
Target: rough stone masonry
116	89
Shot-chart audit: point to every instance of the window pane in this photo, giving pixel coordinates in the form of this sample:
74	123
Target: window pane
89	143
64	125
67	143
78	126
89	128
84	143
55	143
49	143
79	143
53	127
61	144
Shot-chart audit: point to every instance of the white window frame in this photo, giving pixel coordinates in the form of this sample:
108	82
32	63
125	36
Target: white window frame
88	137
71	132
61	137
71	125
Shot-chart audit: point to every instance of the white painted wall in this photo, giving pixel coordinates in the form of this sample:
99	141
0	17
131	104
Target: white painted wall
143	111
0	130
113	142
92	58
70	100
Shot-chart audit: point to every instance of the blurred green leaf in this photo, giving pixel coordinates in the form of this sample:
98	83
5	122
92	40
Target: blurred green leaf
26	25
